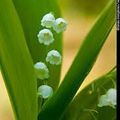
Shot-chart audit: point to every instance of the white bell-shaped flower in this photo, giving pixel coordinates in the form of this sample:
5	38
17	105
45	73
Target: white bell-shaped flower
41	70
103	101
54	57
112	96
108	99
45	91
45	37
48	20
60	25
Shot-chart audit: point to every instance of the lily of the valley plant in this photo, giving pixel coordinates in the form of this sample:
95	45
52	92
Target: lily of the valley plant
31	58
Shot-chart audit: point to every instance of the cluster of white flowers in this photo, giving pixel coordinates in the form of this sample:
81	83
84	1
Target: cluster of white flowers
45	37
108	99
58	25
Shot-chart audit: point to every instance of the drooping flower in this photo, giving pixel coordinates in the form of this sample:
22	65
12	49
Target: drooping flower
111	94
41	70
45	37
54	57
103	101
60	25
108	99
45	91
48	20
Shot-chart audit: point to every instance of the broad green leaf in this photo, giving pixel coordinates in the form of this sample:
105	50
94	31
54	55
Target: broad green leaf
85	59
16	64
84	106
31	13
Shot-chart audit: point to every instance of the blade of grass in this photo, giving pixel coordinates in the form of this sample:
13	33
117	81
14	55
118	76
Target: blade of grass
80	108
31	13
16	64
81	66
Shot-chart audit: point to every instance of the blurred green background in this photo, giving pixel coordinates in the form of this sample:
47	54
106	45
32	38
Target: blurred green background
81	15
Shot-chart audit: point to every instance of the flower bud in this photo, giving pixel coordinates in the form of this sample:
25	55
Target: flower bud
48	20
59	25
41	70
45	37
45	91
53	57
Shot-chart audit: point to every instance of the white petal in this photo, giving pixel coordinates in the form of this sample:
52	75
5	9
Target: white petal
41	70
54	57
103	101
60	25
112	95
48	20
108	99
45	37
45	91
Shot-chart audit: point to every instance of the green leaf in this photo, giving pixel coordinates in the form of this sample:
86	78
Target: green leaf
83	63
31	13
84	106
16	64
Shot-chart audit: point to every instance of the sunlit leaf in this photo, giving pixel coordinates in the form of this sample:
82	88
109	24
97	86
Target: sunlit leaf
16	64
31	13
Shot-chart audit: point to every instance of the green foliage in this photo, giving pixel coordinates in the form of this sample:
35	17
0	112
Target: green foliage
16	64
19	50
84	106
81	66
30	13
